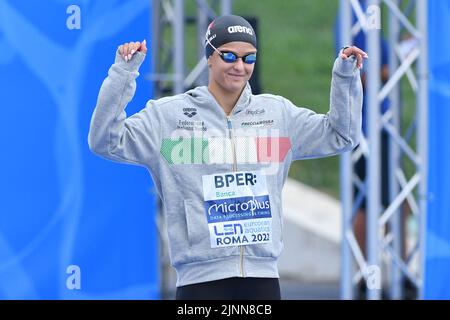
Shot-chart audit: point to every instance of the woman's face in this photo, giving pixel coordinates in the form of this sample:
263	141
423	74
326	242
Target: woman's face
231	77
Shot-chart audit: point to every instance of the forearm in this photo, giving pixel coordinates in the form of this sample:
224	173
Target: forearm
319	135
346	100
108	120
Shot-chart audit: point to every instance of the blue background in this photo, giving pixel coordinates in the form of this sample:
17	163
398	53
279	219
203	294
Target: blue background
437	255
60	205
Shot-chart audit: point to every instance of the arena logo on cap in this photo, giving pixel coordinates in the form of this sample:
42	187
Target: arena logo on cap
234	29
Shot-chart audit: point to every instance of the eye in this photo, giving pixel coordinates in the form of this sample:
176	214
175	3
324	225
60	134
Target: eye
250	58
229	56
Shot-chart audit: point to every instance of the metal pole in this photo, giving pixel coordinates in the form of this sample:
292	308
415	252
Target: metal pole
345	12
155	43
202	24
422	130
373	163
394	160
178	45
400	189
226	7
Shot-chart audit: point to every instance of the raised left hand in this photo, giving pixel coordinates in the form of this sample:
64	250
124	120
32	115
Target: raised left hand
357	52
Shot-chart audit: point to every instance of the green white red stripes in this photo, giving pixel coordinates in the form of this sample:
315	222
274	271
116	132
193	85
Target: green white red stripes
219	150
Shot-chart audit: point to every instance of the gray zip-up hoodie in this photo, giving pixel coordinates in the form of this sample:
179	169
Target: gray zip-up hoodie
220	177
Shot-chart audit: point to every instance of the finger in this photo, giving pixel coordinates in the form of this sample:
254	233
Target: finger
120	49
125	51
350	51
361	52
135	47
359	60
344	54
130	48
143	47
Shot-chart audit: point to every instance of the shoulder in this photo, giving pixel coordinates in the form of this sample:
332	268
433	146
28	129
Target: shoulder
164	103
269	97
272	100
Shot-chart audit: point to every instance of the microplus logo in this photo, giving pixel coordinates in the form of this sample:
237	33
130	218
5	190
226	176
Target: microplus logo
242	29
244	207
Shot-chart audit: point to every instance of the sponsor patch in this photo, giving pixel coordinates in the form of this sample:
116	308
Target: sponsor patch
257	123
237	208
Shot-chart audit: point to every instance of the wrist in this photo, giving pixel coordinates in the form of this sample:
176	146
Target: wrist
131	65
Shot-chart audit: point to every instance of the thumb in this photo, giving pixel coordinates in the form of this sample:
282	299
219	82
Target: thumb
143	47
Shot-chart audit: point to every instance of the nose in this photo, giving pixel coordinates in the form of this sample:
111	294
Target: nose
238	64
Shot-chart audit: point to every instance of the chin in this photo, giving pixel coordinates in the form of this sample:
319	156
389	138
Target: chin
235	86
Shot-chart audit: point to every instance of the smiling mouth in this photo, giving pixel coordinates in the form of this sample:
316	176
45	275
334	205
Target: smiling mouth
236	75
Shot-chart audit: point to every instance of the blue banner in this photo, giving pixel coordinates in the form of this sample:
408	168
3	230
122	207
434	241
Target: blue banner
437	254
72	225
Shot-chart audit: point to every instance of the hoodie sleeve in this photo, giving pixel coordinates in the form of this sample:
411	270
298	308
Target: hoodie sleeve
318	135
112	135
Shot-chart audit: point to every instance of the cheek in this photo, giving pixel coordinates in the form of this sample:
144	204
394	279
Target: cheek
220	72
250	69
215	72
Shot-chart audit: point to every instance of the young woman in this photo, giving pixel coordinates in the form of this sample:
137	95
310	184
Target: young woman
219	157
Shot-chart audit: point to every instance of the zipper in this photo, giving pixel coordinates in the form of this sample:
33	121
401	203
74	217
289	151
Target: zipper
233	148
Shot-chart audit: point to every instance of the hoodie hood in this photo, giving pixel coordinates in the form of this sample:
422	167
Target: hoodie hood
202	94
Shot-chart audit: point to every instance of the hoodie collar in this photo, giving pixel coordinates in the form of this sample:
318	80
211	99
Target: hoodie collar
241	104
244	99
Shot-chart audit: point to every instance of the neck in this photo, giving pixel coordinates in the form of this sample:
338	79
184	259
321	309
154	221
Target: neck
226	99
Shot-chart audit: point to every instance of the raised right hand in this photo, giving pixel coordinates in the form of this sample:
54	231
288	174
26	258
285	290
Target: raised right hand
127	50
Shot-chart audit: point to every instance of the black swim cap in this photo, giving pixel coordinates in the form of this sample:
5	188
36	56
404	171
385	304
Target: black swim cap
226	29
